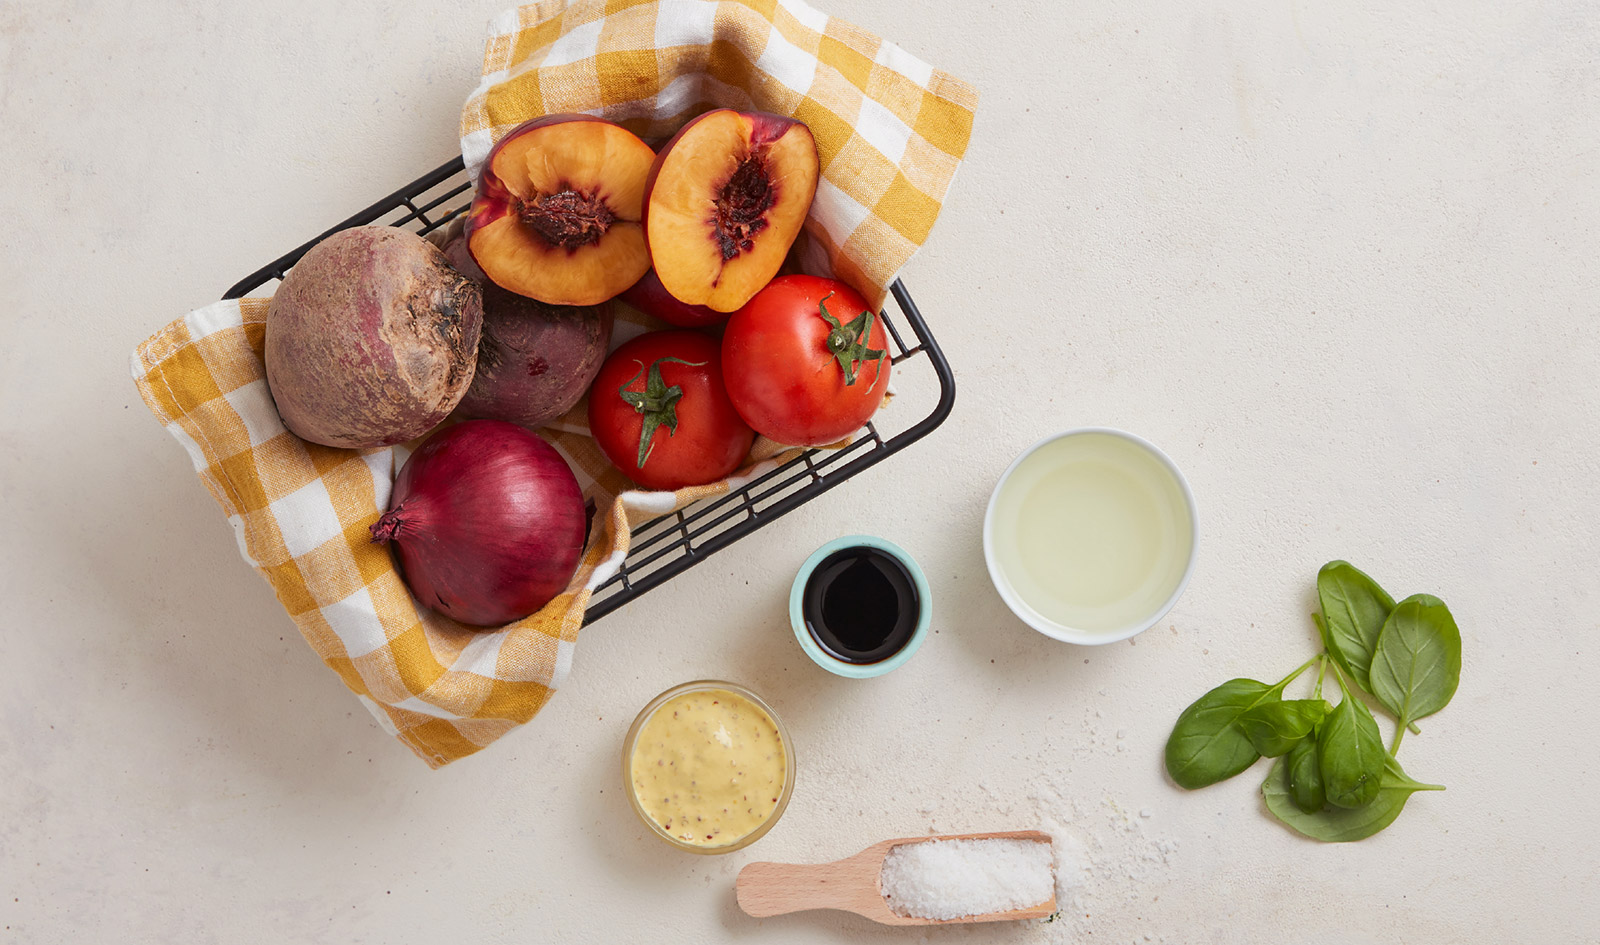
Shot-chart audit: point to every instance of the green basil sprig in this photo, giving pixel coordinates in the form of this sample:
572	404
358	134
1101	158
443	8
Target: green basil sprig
1333	780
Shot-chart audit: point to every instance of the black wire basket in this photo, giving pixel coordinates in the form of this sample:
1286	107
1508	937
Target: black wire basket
674	543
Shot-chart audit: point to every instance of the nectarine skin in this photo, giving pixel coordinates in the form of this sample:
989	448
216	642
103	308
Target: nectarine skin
649	296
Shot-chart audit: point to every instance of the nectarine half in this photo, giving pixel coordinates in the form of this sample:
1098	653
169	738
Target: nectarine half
558	209
725	200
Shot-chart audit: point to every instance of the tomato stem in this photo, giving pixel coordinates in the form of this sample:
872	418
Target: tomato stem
847	342
657	403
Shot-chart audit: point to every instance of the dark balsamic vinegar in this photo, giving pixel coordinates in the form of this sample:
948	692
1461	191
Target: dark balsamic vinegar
861	605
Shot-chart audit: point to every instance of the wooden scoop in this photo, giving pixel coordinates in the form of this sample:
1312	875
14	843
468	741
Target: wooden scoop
851	884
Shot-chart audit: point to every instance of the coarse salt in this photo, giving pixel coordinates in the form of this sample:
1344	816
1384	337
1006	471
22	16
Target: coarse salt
948	879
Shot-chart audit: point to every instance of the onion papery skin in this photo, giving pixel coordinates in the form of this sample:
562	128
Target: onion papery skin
486	523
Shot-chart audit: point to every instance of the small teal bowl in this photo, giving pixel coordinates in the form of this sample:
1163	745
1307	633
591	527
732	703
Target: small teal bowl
839	667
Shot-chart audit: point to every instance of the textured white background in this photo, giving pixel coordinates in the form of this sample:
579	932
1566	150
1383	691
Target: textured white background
1338	259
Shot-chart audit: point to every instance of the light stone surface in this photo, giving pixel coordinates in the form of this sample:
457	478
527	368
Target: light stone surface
1339	260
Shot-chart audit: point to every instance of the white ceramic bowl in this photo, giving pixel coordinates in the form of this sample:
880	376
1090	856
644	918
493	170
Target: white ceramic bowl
1050	628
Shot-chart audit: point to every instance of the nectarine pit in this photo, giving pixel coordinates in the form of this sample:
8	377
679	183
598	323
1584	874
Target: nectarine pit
567	218
742	205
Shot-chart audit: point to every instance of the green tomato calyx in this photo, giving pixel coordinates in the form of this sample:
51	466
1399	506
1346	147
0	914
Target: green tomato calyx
657	403
847	342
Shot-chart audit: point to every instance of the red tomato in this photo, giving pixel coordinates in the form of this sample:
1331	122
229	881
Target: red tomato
806	360
665	387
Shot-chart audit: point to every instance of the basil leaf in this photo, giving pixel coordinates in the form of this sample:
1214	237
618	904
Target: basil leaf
1417	664
1354	608
1305	776
1206	745
1338	825
1350	752
1275	727
1322	631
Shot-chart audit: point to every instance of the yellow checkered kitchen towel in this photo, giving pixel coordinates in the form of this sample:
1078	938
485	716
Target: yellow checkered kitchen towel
301	511
890	129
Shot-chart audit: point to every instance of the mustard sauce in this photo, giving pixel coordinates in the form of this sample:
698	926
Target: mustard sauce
708	767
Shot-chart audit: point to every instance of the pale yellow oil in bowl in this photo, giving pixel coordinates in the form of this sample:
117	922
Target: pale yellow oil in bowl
1093	532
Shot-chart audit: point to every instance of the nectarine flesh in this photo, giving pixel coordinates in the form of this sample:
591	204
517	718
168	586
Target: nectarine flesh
725	200
558	210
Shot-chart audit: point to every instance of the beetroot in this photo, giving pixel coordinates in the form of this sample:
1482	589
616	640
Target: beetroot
371	339
535	361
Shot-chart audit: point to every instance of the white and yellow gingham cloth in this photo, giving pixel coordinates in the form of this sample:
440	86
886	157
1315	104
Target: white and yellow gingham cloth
890	129
301	511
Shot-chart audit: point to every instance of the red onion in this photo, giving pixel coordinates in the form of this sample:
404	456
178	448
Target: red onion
486	521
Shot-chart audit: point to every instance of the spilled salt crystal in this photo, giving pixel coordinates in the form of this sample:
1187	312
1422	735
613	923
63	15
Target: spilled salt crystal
948	879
